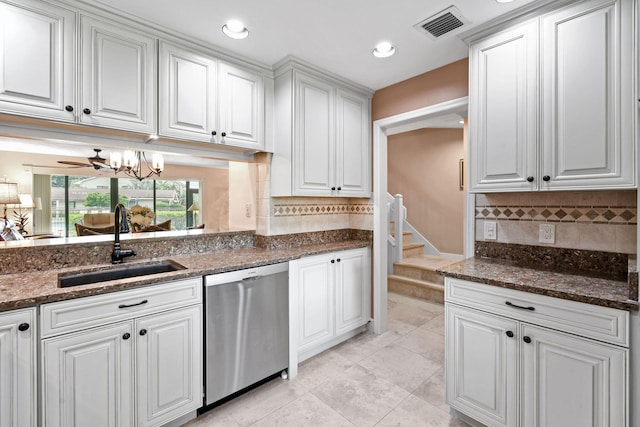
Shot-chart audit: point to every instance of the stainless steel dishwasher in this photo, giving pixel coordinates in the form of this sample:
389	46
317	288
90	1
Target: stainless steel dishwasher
246	328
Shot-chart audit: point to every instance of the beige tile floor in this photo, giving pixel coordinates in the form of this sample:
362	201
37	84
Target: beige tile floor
393	379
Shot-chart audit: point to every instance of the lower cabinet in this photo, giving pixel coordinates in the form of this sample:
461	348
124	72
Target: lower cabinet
18	368
330	298
144	370
508	371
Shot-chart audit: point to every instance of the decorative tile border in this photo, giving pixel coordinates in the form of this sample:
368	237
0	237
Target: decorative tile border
582	214
297	209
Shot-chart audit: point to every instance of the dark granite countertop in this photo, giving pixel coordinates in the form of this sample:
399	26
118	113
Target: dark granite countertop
591	290
21	290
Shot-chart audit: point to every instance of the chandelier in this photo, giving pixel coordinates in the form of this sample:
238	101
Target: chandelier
131	163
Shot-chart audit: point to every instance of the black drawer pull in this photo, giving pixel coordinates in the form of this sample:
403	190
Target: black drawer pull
126	336
144	301
510	304
143	332
527	340
510	334
23	327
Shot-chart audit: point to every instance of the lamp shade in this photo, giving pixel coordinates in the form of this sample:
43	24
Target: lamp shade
194	207
9	193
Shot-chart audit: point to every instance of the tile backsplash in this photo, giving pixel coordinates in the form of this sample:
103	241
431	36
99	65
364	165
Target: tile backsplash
589	220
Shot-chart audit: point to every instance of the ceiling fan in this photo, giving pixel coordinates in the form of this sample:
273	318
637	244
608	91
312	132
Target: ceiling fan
96	162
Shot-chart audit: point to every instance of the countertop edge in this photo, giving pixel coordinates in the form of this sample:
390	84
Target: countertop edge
266	257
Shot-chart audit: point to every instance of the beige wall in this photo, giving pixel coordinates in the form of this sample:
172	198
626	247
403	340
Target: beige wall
242	195
590	220
442	84
423	166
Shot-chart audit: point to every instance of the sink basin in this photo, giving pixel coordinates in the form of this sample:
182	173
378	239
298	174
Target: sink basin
116	273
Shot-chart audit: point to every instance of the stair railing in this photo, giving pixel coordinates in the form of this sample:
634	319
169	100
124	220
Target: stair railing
397	215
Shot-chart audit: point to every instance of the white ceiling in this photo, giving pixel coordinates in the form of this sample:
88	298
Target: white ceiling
337	35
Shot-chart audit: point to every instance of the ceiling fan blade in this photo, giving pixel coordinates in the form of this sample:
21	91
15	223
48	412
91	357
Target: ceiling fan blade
76	164
31	165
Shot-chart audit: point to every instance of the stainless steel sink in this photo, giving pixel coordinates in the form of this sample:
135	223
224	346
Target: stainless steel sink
116	273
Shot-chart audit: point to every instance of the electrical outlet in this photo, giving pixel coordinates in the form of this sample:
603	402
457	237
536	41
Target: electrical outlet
490	230
247	208
547	233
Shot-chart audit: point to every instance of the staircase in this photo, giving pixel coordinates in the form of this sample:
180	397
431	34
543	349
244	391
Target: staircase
413	264
416	274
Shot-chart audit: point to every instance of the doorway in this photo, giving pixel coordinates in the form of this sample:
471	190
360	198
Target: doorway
404	122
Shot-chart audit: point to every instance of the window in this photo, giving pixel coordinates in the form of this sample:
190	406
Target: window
74	196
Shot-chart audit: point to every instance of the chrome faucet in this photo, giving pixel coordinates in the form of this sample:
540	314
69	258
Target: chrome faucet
120	224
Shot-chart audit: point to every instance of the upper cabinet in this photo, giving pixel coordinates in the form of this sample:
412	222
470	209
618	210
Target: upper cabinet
552	102
118	77
95	68
203	99
37	61
322	130
241	107
187	93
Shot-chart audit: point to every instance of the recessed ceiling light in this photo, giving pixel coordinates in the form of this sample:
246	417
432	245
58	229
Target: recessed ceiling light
384	50
504	1
235	29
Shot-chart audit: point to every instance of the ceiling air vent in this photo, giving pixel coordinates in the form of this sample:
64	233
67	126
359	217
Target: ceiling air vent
441	23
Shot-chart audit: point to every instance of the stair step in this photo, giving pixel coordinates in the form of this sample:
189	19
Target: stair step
416	288
412	249
417	272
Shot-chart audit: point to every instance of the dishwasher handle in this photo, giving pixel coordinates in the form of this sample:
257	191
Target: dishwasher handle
251	278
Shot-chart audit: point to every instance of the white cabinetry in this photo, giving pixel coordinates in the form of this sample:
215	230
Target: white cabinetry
322	136
118	77
569	126
329	297
202	99
131	358
241	108
18	368
37	61
512	360
187	93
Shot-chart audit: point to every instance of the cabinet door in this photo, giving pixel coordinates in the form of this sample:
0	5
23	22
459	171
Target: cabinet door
168	365
353	145
572	381
241	105
87	378
37	60
187	94
481	365
118	77
314	141
503	111
588	98
353	289
314	280
18	369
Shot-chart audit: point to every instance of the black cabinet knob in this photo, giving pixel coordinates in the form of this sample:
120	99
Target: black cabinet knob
86	111
333	261
333	188
338	260
510	334
214	133
126	336
526	339
339	188
530	178
69	108
224	134
143	332
546	178
23	327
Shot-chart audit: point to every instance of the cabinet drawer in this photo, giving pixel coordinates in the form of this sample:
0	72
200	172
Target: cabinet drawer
82	313
591	321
